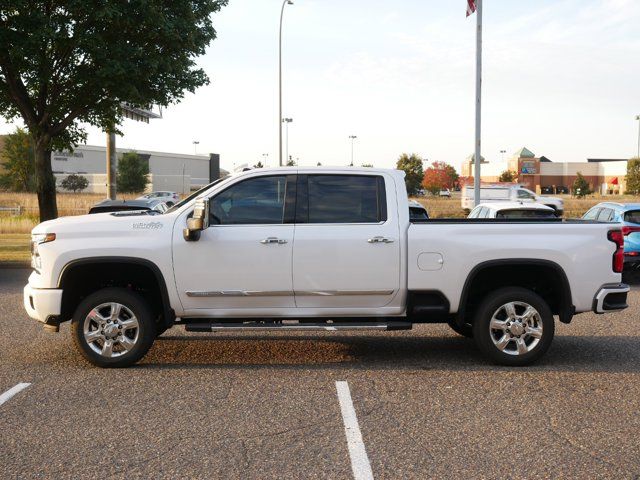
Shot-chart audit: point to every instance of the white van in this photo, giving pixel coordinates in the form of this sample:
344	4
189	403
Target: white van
508	193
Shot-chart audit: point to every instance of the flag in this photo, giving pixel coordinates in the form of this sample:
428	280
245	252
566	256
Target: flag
471	7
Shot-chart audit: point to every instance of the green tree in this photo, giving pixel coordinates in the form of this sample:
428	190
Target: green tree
75	183
132	173
581	187
633	176
291	163
414	172
17	162
71	63
258	165
508	176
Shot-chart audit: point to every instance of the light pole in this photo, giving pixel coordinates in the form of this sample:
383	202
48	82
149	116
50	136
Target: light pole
289	2
352	138
265	156
638	118
502	152
195	146
287	121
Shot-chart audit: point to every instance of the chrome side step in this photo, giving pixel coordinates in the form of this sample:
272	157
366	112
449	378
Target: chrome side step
210	327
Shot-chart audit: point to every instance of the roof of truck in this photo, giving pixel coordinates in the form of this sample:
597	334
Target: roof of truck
498	206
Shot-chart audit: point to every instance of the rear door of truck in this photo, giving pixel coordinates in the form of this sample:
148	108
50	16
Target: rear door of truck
347	241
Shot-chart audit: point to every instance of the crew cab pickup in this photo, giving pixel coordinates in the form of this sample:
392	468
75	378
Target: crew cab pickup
327	249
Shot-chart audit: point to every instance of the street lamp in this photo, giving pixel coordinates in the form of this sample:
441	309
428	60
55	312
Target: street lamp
352	138
287	121
286	2
502	152
638	118
195	146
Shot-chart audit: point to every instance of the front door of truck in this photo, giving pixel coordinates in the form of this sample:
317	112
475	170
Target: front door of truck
347	248
242	261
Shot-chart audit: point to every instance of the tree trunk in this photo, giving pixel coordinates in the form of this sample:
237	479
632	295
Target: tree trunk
45	181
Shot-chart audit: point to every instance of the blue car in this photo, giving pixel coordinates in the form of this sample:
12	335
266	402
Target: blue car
628	215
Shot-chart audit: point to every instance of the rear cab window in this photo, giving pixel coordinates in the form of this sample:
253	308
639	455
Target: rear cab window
341	199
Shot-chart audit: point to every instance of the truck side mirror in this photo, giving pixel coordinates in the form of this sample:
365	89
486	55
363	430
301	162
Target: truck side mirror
198	222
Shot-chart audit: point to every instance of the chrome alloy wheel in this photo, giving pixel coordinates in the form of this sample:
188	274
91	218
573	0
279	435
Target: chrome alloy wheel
111	329
516	328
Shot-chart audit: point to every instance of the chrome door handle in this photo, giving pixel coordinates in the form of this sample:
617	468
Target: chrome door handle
269	240
380	240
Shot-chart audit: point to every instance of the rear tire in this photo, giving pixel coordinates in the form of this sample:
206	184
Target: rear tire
113	327
466	330
514	326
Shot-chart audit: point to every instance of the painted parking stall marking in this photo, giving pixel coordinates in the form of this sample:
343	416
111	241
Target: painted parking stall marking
359	460
6	396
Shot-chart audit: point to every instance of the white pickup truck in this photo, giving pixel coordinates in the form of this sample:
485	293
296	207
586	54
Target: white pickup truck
316	249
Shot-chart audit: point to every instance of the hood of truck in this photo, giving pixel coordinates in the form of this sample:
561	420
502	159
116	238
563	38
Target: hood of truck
99	224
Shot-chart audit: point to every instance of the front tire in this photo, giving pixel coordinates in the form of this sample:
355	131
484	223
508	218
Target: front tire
113	327
514	326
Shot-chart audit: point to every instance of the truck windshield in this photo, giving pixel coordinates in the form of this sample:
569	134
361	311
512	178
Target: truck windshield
525	214
192	196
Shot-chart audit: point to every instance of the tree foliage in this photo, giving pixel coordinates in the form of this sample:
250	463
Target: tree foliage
633	176
75	183
581	187
291	162
414	172
70	63
17	162
438	176
258	165
508	176
133	173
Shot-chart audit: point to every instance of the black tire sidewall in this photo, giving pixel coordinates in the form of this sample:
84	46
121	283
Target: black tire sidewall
466	330
486	310
134	302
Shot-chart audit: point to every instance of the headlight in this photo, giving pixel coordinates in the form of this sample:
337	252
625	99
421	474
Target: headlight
38	239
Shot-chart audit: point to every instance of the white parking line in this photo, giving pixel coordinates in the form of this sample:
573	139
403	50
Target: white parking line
358	454
6	396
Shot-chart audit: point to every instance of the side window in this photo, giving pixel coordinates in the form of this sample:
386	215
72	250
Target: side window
605	215
346	199
255	201
592	214
525	194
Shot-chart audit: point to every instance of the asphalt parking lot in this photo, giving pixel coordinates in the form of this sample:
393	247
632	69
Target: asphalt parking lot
425	402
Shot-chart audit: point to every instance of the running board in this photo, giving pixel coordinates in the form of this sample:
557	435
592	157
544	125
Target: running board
271	326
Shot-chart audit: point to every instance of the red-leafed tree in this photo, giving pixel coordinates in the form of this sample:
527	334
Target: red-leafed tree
438	176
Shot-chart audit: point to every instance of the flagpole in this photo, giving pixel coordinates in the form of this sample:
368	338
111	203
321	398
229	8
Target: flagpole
477	154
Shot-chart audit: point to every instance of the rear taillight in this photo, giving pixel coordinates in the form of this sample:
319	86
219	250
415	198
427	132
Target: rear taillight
617	237
626	230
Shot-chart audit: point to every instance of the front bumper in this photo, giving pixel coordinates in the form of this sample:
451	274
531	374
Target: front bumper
42	303
611	297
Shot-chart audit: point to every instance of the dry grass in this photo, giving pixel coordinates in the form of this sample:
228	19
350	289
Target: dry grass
14	248
69	204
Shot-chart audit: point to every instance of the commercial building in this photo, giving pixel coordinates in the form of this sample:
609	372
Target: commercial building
168	171
540	174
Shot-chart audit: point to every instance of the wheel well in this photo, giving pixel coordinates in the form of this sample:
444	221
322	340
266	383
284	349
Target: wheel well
80	279
547	279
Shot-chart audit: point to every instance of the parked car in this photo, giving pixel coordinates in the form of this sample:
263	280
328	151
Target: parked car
511	210
509	193
170	198
445	193
628	216
317	249
417	211
154	206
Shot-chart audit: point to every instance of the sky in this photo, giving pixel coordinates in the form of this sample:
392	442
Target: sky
561	77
